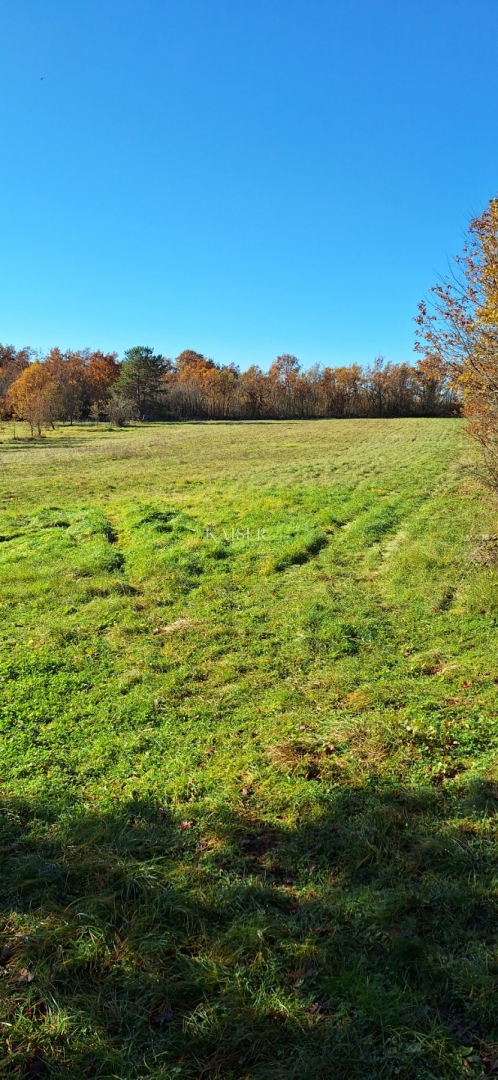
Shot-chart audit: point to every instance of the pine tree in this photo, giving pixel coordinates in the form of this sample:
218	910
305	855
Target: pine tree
142	382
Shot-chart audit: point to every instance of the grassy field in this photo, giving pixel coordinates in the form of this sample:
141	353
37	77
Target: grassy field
249	795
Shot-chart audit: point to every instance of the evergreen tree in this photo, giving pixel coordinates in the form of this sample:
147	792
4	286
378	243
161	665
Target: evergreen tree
141	382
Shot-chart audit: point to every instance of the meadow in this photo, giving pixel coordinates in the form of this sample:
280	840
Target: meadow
248	775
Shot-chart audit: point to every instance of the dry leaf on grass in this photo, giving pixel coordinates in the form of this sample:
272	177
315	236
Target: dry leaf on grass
23	977
301	974
179	624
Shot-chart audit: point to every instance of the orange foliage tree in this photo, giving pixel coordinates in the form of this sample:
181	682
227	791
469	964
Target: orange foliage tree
458	332
84	379
101	373
12	364
68	371
35	397
148	386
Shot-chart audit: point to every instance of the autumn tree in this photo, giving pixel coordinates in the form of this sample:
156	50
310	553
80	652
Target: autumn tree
101	373
437	392
375	386
68	371
254	392
343	391
35	397
84	379
12	364
228	376
190	361
457	331
194	384
147	386
282	376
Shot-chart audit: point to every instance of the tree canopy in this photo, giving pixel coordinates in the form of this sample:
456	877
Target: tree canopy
145	385
457	332
141	380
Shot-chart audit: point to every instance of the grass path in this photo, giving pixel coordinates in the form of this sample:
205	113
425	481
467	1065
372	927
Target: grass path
248	689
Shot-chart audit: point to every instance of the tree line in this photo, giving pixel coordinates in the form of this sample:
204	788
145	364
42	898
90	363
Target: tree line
456	371
144	385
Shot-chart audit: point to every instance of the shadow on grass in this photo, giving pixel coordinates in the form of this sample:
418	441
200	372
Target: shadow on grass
361	943
11	446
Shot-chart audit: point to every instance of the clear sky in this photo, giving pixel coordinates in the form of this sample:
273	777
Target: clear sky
240	177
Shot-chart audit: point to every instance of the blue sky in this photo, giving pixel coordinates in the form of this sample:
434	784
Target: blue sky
241	177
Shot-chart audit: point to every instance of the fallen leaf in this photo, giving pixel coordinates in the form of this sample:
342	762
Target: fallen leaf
23	977
186	824
302	973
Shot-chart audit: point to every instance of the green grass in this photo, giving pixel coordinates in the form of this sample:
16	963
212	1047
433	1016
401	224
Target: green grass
249	790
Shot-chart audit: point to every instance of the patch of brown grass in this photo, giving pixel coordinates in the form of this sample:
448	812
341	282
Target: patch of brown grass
178	624
312	759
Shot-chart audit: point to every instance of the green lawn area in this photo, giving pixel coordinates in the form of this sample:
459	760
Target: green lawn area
249	789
